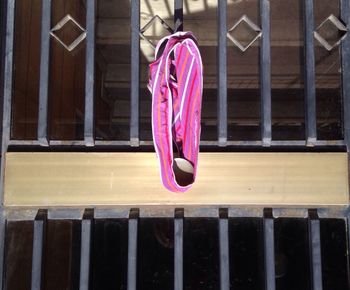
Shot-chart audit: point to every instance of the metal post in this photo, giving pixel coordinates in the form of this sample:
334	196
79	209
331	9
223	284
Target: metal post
6	123
132	248
178	15
265	73
269	246
2	245
135	73
38	244
345	59
310	95
222	73
44	72
224	250
178	249
347	224
86	225
89	73
315	250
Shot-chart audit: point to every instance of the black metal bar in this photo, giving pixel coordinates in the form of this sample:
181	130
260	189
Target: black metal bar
2	245
269	250
315	250
86	225
132	248
3	6
44	72
38	243
89	73
224	250
347	220
265	73
178	15
310	93
345	59
178	249
77	143
222	73
6	123
135	73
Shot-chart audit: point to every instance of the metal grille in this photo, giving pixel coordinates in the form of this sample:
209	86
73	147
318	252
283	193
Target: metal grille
224	34
221	216
270	231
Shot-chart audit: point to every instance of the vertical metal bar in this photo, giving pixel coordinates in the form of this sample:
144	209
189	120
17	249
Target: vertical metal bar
265	73
3	5
38	243
89	73
6	123
224	250
178	249
310	95
315	248
2	246
178	15
9	12
345	57
347	216
269	252
222	73
44	72
86	225
135	73
132	249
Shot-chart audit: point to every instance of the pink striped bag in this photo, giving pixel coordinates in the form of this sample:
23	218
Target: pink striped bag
176	84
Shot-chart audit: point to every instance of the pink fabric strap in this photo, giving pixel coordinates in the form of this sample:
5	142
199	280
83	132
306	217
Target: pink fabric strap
176	84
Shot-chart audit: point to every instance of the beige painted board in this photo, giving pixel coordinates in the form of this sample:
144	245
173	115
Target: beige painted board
64	179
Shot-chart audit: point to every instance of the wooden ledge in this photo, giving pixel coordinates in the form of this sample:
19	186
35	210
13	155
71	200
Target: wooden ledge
88	179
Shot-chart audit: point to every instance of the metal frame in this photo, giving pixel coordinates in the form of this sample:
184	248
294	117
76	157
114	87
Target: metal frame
136	33
268	216
223	215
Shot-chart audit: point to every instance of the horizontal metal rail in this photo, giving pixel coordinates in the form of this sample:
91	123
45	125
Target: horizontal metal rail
123	143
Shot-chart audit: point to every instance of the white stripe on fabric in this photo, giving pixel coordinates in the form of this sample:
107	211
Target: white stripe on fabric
184	92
